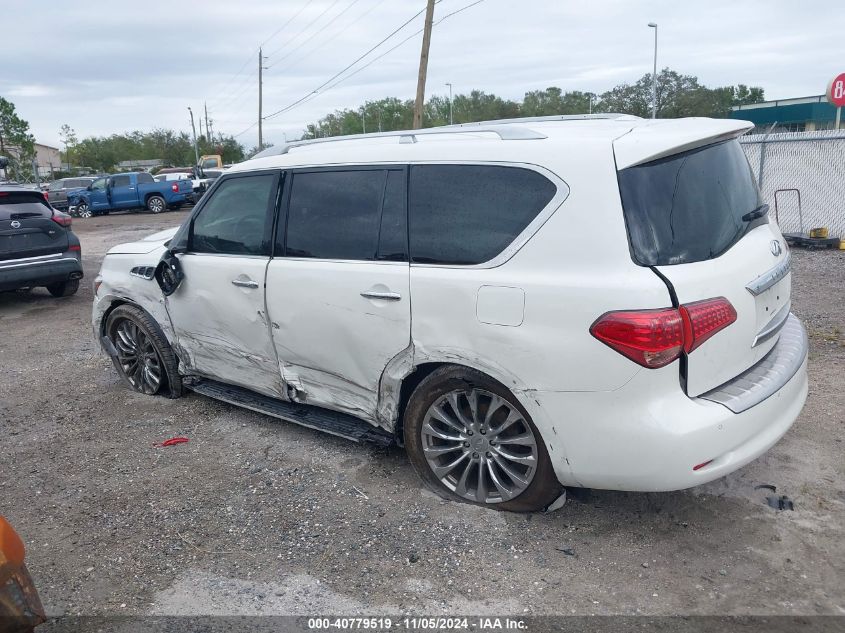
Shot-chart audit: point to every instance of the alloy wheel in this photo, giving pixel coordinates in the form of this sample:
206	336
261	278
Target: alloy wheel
138	357
83	211
479	446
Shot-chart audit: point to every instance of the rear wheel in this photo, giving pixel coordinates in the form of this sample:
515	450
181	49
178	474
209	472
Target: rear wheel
64	289
156	204
144	357
470	440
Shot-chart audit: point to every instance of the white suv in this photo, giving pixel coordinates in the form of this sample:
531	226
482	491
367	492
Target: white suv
524	305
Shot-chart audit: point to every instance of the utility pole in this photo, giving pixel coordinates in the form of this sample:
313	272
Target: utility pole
653	25
451	120
207	133
363	120
426	44
194	131
260	88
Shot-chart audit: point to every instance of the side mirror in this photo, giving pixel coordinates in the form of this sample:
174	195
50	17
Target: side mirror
169	273
89	187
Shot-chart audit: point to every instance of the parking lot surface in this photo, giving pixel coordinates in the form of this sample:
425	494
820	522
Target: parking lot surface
257	516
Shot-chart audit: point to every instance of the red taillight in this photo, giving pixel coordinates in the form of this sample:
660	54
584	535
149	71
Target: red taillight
75	247
655	338
703	319
175	187
46	195
651	338
62	219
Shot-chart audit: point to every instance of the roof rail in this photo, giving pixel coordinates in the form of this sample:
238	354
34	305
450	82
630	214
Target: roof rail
512	133
556	117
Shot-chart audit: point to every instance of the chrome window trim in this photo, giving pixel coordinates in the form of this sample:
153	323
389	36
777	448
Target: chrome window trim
771	276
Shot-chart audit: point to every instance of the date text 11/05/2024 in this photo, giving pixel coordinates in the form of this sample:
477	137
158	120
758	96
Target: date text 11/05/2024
418	623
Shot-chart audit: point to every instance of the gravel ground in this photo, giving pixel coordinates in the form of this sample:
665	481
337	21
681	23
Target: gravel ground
256	516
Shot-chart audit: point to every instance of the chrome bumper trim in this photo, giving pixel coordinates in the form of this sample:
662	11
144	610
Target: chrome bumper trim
765	378
771	277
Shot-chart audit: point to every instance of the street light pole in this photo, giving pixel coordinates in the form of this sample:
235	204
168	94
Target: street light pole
194	132
451	120
654	74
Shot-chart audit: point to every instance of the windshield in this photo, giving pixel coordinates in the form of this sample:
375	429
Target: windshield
689	207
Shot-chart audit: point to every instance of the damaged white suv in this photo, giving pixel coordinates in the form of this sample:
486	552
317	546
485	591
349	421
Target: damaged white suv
524	305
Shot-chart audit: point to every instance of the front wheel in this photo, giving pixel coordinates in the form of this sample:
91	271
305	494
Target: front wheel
83	210
144	357
470	440
156	204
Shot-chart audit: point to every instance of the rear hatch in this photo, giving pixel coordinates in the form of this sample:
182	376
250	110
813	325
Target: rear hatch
27	228
697	219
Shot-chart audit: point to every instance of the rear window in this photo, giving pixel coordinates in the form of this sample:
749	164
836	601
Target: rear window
468	214
16	206
689	207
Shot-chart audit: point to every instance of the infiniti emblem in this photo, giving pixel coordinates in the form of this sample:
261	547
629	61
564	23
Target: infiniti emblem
16	224
776	248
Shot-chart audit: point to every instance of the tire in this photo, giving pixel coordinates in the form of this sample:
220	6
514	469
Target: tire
156	204
64	289
83	210
472	461
130	329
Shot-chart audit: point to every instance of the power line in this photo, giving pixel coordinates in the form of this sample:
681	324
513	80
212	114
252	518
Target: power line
252	54
333	36
336	75
313	35
308	26
313	95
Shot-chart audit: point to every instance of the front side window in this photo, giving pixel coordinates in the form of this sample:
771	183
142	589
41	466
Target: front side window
99	184
234	220
349	215
468	214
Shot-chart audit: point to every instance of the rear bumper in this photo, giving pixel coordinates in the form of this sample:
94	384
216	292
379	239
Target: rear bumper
40	272
648	435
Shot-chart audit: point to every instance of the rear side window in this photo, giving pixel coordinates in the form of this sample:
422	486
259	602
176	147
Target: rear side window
234	220
120	181
145	179
354	215
689	207
17	206
468	214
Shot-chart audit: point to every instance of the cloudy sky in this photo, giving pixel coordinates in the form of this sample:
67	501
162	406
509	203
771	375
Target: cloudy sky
109	66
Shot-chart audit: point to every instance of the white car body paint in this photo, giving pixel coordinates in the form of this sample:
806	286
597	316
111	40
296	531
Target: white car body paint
523	318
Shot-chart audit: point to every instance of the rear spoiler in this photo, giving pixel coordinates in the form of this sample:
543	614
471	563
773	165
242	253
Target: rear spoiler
664	137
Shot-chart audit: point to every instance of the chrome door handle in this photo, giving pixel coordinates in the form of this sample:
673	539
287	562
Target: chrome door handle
385	296
245	283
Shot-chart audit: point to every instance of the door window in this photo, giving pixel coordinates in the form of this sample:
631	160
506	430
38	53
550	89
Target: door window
120	181
351	215
99	184
234	221
468	214
145	179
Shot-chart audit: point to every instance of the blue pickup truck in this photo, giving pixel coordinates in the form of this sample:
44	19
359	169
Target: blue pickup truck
128	192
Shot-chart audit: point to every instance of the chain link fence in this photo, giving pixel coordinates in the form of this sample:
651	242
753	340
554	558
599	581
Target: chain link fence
802	177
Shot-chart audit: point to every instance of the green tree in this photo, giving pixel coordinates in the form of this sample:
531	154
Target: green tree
16	142
69	139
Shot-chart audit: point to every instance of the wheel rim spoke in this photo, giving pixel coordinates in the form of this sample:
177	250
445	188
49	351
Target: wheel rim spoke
479	445
137	357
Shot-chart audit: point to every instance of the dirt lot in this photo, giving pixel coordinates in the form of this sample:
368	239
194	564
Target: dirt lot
256	516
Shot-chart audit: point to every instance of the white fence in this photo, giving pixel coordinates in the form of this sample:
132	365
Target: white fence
802	177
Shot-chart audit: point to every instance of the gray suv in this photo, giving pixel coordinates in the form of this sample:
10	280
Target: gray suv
57	192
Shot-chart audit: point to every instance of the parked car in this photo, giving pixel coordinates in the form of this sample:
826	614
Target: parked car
20	607
129	191
197	187
37	245
58	189
524	305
